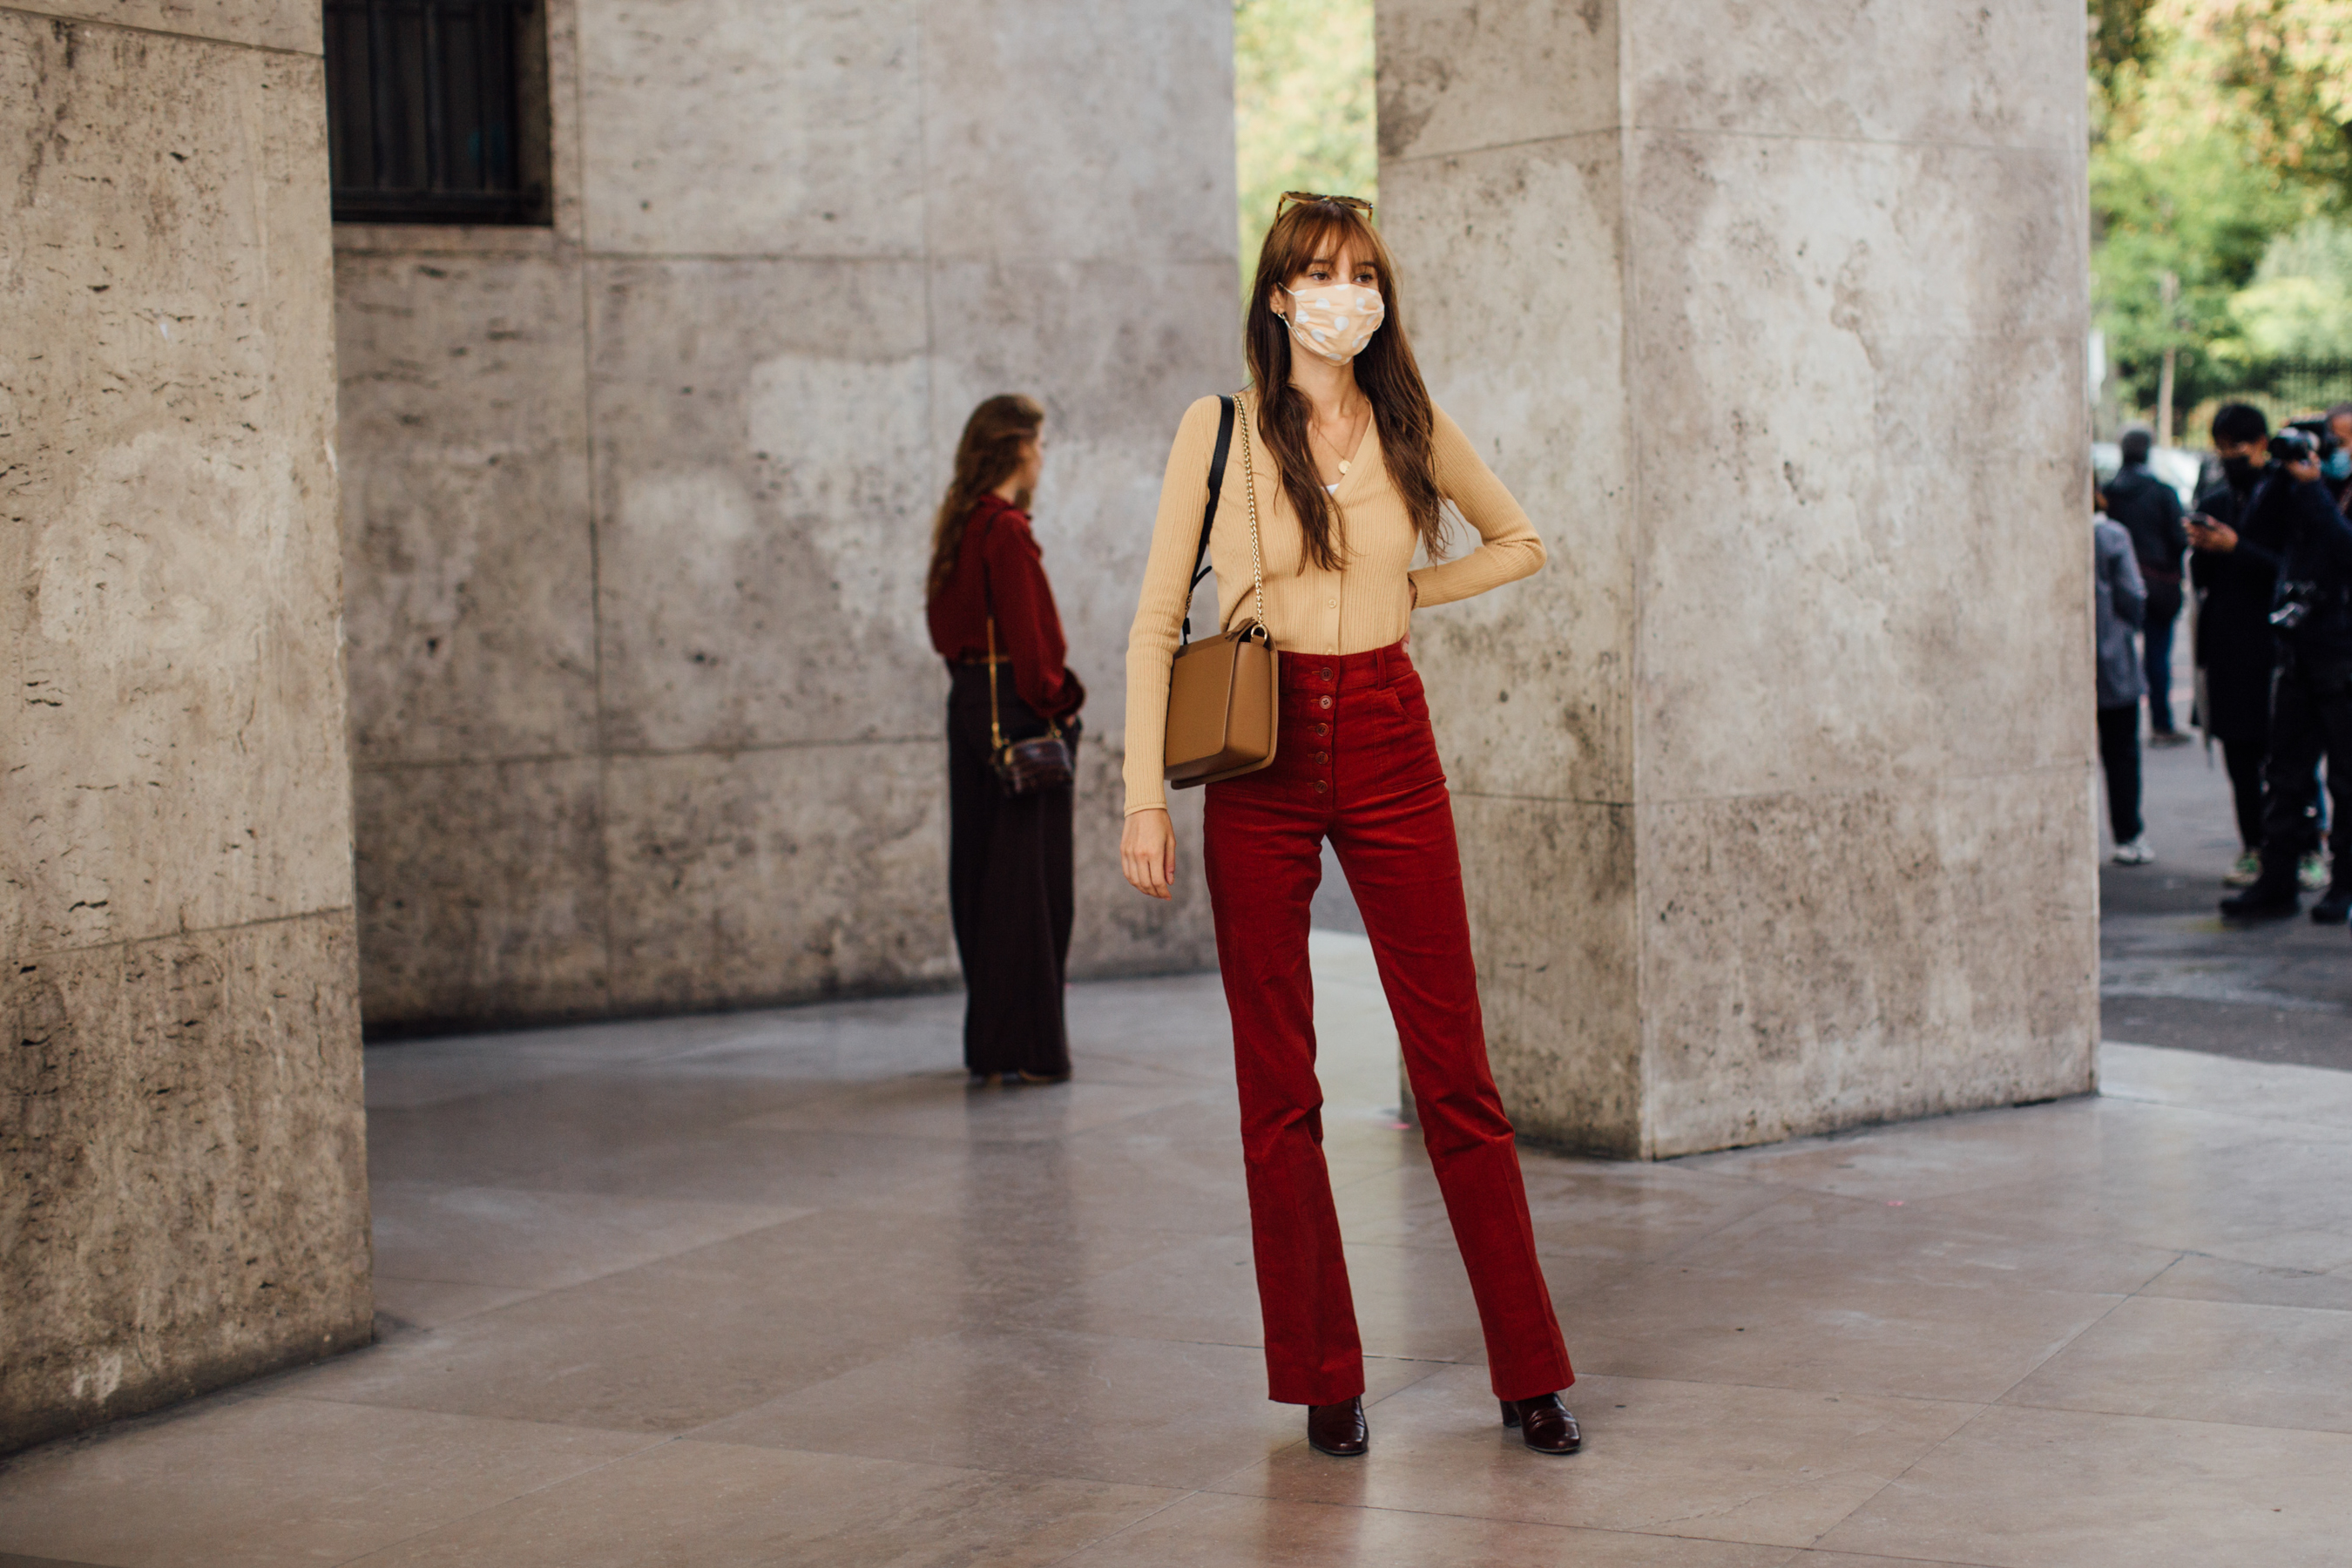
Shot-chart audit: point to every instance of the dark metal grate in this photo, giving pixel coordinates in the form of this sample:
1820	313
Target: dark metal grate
423	111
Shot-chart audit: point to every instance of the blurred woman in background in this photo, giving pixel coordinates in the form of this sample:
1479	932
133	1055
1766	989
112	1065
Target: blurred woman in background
993	619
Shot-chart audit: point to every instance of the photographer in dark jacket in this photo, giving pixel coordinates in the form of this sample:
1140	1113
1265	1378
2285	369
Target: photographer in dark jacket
2150	512
2289	529
2236	648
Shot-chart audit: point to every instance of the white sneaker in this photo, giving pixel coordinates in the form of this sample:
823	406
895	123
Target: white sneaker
2246	872
2135	853
2311	872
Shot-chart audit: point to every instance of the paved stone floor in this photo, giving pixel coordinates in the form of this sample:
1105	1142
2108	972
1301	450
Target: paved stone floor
2172	973
778	1289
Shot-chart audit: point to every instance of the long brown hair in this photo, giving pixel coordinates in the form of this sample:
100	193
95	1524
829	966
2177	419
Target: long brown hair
988	454
1385	371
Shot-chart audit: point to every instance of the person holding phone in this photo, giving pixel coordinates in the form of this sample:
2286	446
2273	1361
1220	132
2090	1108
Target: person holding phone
2273	583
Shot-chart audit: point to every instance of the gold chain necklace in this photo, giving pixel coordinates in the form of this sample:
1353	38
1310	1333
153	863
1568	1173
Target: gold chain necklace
1338	456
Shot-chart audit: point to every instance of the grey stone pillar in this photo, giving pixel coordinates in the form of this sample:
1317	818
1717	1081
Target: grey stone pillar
1776	787
183	1179
646	713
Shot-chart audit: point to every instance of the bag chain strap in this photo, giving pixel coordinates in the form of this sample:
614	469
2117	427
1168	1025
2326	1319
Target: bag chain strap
996	731
1249	483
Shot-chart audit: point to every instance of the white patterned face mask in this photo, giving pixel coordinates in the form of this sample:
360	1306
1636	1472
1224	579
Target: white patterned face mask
1335	321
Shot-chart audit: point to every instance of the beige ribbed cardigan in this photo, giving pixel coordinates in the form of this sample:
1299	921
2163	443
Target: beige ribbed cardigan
1367	604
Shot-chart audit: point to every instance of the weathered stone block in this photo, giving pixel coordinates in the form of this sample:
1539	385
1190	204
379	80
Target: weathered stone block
764	468
751	127
1559	994
1805	437
1122	150
291	25
777	875
183	1200
182	1194
1817	960
464	434
170	401
482	892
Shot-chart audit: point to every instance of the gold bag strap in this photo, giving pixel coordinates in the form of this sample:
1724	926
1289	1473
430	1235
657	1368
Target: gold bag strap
995	733
1249	486
1053	727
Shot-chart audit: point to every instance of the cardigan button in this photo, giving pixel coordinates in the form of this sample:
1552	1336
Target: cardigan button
1321	786
1326	701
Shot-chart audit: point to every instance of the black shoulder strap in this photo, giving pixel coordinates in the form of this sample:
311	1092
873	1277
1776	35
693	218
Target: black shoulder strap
1209	517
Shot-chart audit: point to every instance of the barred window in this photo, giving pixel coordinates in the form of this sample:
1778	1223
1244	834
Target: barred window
437	110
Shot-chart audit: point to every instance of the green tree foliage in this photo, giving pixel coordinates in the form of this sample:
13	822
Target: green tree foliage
1304	115
2283	78
2179	185
2299	305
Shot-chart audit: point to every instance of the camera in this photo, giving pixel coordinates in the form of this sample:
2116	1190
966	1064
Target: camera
2304	441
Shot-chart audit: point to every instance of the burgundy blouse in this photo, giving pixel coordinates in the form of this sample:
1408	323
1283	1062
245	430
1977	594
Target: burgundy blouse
999	562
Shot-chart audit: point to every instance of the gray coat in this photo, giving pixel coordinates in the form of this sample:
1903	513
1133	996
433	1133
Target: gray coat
2123	603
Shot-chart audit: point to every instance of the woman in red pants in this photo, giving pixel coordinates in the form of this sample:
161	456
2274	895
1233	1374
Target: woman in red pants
1350	463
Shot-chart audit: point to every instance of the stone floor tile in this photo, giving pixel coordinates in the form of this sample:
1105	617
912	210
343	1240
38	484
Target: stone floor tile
1211	1530
1597	1209
542	1241
942	1106
2311	1097
420	1075
12	1560
564	1121
2205	1361
1770	1467
2046	1146
1166	1178
2201	1279
688	1340
1042	1402
730	1165
1952	1241
716	1505
2234	1202
405	1304
255	1483
1824	1331
2020	1488
1412	1303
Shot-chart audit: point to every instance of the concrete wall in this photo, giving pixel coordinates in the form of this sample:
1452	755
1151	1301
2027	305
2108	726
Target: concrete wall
636	508
1774	792
182	1188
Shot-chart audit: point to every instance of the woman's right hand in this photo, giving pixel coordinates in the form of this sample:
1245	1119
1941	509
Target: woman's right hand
1147	852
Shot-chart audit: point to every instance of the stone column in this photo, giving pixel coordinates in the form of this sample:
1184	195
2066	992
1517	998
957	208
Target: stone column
183	1180
645	706
1776	787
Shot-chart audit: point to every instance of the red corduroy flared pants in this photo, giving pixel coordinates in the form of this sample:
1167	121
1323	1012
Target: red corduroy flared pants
1356	763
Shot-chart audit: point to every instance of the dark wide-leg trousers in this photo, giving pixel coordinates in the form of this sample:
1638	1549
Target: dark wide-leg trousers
2311	718
1009	889
1356	763
2120	756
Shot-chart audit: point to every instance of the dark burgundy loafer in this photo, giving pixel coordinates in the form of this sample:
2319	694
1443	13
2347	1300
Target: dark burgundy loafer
1544	1425
1338	1430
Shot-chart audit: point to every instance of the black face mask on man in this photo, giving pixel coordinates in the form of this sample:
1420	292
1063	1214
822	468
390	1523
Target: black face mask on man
2240	471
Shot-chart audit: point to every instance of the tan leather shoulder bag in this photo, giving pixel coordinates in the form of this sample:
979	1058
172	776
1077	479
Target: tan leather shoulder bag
1224	694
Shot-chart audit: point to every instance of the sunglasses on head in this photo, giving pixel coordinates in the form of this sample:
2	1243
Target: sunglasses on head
1357	203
